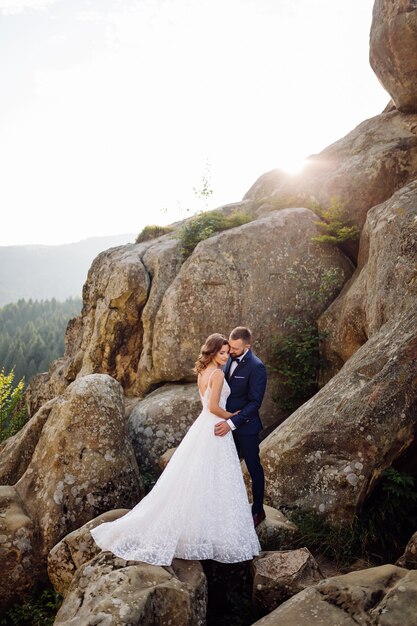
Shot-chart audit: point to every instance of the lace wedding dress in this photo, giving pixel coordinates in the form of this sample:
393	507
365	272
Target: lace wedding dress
198	508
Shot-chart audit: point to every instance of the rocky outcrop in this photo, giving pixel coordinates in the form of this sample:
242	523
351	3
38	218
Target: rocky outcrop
393	50
279	575
160	421
163	261
362	169
282	275
111	340
384	285
109	590
274	281
77	553
75	549
16	452
83	464
121	297
145	315
128	592
107	336
327	455
381	596
75	460
46	386
18	547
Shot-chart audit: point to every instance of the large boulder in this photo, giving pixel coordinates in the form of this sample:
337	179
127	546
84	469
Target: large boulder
74	550
16	451
121	296
383	286
144	302
279	575
222	285
114	295
83	464
160	421
163	261
327	456
362	169
378	596
18	548
46	386
393	50
109	590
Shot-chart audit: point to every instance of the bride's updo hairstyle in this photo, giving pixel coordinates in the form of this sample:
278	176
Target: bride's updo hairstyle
209	349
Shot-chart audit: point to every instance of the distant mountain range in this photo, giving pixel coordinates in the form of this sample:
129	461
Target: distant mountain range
45	272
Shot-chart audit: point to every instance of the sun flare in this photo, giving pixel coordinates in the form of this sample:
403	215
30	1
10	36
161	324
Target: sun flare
263	88
292	165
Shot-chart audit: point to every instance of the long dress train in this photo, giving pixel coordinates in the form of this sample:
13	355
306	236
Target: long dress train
198	508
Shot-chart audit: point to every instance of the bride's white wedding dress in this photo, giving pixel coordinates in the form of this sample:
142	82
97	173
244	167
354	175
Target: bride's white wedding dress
198	508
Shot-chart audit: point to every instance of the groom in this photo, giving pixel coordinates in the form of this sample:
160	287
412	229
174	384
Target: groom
246	375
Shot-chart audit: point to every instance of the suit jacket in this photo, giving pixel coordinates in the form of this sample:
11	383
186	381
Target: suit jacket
247	384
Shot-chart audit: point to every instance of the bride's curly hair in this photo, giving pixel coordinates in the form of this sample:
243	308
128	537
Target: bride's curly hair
209	349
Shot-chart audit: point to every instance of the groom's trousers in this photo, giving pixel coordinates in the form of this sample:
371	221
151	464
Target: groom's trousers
248	450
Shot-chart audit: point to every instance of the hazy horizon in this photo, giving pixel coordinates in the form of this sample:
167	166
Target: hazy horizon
69	243
42	272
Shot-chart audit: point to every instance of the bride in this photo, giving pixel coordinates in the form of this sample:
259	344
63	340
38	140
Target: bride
198	508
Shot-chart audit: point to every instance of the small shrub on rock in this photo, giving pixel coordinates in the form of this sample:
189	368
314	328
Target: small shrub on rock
378	533
335	224
152	231
206	225
39	608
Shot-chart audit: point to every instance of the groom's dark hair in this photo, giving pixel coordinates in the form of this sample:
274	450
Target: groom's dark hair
241	332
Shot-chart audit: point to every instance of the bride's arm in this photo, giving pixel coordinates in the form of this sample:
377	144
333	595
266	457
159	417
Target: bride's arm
216	389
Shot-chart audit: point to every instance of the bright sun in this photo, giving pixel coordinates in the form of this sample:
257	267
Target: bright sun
292	165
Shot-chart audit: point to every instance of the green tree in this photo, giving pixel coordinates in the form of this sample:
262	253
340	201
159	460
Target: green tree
31	369
296	356
12	411
205	191
32	333
335	225
37	348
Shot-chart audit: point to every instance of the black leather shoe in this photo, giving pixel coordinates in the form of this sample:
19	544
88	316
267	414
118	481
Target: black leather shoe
258	518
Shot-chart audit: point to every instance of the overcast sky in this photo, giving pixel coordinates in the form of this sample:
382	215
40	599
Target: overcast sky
113	111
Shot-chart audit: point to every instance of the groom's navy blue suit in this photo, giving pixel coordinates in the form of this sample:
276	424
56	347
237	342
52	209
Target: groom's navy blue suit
247	384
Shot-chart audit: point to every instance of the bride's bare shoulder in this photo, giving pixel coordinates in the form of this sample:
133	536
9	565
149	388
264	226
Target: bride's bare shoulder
216	377
207	377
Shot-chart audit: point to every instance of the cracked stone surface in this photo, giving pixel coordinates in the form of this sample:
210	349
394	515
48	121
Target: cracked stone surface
379	596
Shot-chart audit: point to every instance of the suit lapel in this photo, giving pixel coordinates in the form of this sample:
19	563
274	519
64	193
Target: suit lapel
237	369
240	364
227	368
